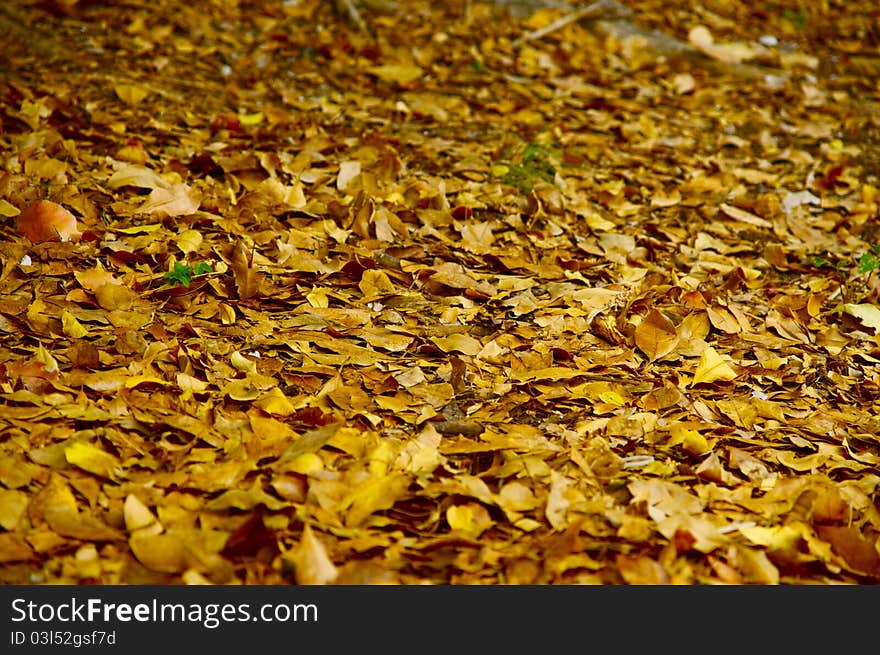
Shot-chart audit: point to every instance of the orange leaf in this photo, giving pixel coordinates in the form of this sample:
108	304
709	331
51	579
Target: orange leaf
45	220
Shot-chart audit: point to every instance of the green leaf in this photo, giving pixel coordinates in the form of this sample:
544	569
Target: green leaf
181	274
534	165
868	262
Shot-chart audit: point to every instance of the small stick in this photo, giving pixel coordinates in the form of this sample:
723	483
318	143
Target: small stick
596	9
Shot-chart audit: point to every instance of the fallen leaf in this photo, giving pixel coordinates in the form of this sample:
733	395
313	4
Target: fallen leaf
45	220
867	313
131	94
312	565
400	73
471	518
656	335
92	459
712	368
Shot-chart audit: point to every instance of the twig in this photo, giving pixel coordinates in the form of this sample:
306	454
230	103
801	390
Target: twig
599	8
353	14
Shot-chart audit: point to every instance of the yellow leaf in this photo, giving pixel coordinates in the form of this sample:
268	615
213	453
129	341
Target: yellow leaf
115	296
189	383
712	368
374	495
421	455
137	515
13	504
516	497
291	195
683	83
380	457
72	327
457	341
471	518
139	229
275	402
556	510
400	73
754	565
188	241
312	565
242	363
542	18
656	336
7	209
177	200
59	509
775	538
319	297
348	170
166	553
375	283
612	398
13	548
692	332
306	463
131	94
701	37
135	380
242	390
695	443
249	120
92	459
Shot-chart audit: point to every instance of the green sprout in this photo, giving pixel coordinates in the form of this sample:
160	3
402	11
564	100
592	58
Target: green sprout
534	165
870	261
851	274
798	19
182	274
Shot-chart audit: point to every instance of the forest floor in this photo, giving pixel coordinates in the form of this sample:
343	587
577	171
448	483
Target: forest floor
451	295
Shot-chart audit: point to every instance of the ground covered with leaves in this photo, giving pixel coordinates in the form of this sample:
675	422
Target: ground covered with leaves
451	294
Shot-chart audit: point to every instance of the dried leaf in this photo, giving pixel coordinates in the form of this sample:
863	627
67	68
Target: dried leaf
247	277
92	459
400	73
712	368
867	313
45	220
656	335
312	565
471	518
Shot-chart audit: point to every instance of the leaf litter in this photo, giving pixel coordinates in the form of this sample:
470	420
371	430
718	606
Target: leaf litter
456	294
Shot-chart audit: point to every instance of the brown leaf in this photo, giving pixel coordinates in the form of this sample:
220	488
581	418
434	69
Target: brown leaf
247	277
250	538
859	552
